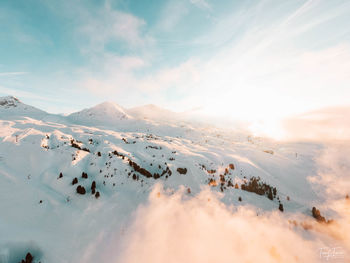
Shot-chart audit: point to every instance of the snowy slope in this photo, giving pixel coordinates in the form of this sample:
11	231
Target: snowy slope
45	214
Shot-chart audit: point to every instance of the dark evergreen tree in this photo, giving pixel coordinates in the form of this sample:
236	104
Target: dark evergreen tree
75	181
81	190
280	207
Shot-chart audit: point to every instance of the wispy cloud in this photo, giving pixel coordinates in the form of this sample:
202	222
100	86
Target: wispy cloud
5	74
105	24
290	56
171	14
94	26
266	64
173	227
327	124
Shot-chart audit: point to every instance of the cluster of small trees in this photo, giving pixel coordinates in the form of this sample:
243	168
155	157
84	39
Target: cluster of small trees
93	190
81	189
167	171
135	177
212	182
154	147
223	179
212	171
139	169
124	140
147	173
115	152
75	145
317	215
256	186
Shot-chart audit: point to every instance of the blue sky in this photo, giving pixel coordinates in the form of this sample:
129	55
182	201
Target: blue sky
241	59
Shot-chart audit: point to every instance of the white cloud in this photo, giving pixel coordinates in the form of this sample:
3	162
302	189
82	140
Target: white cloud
258	65
174	227
175	77
328	124
171	14
106	24
5	74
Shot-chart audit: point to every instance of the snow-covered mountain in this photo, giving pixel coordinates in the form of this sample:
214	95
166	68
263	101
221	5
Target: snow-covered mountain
10	105
106	113
73	193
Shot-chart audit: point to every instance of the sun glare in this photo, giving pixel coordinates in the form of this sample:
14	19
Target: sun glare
272	129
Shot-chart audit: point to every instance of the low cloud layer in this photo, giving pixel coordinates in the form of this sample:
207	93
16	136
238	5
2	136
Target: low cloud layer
178	227
327	124
174	227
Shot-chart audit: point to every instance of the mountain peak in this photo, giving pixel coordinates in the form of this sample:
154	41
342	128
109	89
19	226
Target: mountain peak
104	113
9	101
10	105
109	105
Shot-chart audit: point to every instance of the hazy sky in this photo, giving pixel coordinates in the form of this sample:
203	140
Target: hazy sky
241	59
